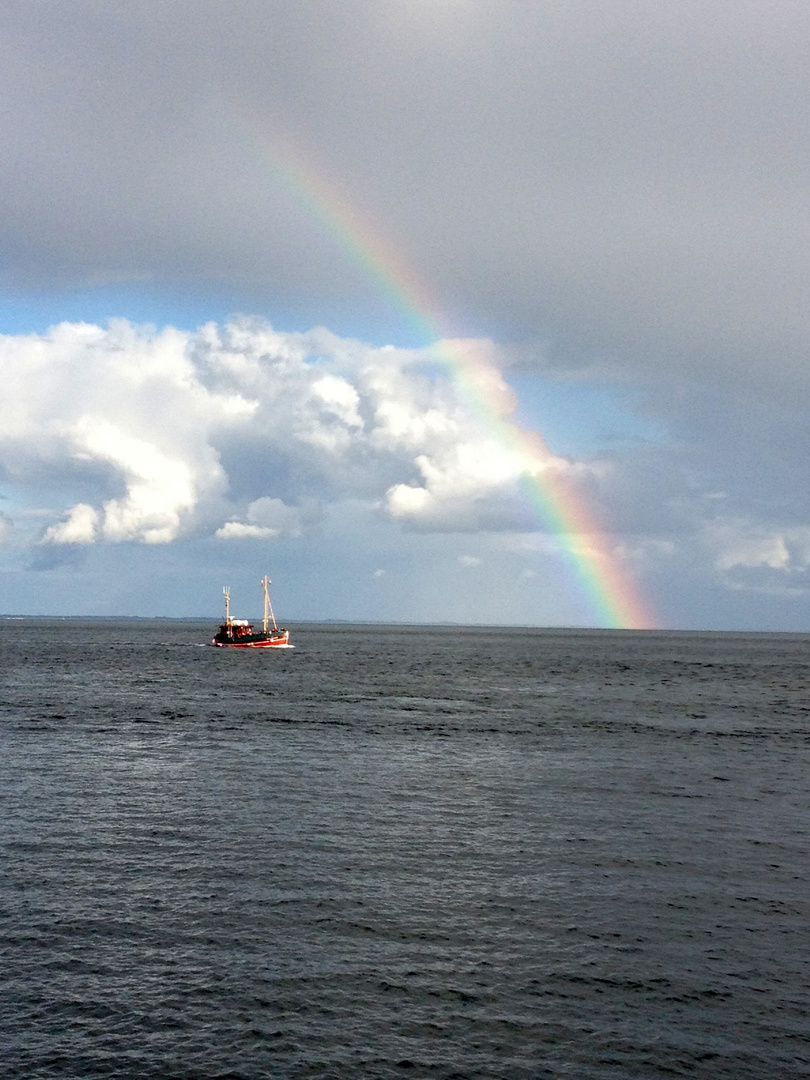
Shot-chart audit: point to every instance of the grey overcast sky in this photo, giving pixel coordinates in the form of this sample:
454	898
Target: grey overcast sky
229	229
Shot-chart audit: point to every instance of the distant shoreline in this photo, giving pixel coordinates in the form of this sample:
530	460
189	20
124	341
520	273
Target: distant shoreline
490	626
297	622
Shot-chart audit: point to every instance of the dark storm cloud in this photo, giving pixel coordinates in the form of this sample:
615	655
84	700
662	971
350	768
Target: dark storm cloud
627	179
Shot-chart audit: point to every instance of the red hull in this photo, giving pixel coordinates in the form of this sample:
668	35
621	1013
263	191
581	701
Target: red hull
254	641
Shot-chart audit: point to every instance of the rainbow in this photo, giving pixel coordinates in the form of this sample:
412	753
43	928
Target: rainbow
600	575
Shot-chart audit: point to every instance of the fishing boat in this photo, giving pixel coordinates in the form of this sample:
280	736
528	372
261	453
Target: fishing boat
241	634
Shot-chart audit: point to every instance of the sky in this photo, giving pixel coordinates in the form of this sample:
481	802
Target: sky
474	311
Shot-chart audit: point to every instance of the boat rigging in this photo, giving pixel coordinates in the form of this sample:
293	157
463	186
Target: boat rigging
241	634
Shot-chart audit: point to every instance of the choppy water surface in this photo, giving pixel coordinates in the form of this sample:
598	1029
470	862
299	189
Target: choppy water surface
399	852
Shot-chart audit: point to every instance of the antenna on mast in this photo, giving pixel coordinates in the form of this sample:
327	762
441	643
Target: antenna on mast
268	607
226	592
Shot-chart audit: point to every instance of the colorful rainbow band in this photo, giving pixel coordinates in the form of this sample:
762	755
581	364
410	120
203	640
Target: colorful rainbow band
601	577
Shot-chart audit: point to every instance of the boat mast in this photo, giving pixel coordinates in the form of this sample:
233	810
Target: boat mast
226	592
268	607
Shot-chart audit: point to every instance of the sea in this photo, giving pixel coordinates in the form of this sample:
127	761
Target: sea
401	851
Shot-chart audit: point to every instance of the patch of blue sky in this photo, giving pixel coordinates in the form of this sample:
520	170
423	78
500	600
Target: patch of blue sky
369	319
582	419
146	304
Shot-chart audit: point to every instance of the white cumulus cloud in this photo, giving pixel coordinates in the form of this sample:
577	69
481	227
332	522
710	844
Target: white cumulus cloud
266	519
80	527
244	432
759	556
